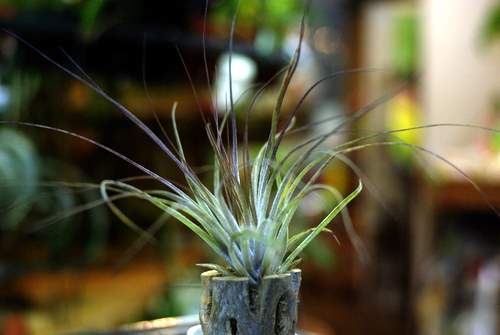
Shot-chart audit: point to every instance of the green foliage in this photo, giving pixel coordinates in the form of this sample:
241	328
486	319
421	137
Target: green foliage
89	14
273	13
406	43
490	31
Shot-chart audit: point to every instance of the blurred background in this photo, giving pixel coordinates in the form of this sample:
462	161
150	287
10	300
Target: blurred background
432	237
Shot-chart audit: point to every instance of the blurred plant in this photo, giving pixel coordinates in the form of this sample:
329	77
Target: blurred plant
22	170
24	197
496	119
18	158
254	12
89	14
489	34
19	87
18	162
268	15
490	31
405	50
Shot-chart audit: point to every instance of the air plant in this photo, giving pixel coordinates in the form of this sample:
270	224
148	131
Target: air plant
245	215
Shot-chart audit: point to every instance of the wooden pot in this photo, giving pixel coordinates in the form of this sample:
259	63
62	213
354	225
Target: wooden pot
233	306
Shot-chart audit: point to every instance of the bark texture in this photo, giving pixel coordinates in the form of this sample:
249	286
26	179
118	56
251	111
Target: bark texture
232	306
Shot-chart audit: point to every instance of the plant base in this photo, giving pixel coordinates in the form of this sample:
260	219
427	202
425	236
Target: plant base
232	306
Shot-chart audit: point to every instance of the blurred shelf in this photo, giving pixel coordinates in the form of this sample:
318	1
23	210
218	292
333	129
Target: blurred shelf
452	191
461	195
69	300
119	50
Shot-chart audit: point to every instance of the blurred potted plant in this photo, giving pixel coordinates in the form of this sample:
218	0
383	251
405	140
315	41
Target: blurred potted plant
24	174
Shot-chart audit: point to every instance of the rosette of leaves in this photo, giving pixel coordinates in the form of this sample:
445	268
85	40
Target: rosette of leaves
245	215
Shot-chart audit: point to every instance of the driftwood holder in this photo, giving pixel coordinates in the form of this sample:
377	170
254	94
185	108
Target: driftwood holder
232	306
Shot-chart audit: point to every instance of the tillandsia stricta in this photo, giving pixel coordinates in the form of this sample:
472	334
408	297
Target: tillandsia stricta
245	215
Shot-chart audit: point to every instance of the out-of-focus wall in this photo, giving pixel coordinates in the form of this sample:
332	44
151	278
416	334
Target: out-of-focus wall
376	46
460	78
